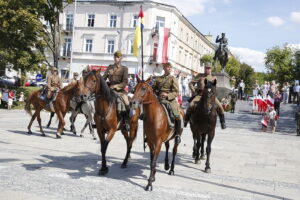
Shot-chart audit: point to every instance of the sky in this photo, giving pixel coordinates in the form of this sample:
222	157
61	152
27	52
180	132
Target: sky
251	26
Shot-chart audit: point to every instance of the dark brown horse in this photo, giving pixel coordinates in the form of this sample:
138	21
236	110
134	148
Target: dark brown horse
156	127
61	105
203	122
105	116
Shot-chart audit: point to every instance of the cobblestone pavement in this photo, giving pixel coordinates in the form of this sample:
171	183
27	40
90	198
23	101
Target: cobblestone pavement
246	163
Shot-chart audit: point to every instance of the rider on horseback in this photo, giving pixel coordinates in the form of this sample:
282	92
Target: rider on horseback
197	93
54	84
166	88
117	75
222	46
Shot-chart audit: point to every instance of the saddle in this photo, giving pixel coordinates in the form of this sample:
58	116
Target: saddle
169	113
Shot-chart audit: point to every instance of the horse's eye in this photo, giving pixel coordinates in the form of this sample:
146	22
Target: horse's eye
94	81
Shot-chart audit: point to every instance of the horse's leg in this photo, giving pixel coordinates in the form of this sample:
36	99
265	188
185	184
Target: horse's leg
195	147
40	123
167	166
171	172
153	166
202	156
51	116
129	146
85	125
60	125
90	123
198	145
72	120
208	150
31	121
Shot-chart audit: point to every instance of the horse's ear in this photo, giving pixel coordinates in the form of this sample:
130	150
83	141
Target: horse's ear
215	82
149	79
138	79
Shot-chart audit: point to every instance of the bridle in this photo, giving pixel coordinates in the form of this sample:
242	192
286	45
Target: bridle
144	91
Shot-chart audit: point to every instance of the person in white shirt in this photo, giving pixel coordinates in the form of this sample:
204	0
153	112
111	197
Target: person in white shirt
286	92
241	89
272	119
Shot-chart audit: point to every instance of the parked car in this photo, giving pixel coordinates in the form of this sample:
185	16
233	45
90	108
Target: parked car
41	83
7	81
30	83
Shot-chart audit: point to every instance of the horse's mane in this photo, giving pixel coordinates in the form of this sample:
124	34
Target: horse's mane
106	92
69	87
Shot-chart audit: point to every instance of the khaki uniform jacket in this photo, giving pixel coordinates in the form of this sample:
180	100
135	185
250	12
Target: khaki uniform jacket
117	76
169	85
197	83
73	80
54	82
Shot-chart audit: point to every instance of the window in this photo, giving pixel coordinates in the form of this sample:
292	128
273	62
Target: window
179	56
88	46
110	46
160	22
135	20
67	47
187	37
69	22
113	21
91	20
130	46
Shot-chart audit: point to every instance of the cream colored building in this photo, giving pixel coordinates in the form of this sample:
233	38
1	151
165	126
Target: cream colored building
103	27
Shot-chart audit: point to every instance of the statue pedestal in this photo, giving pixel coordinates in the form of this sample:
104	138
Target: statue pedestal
223	84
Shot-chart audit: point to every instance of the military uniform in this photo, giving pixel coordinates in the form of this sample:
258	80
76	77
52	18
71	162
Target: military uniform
169	85
118	77
197	90
54	84
233	98
74	79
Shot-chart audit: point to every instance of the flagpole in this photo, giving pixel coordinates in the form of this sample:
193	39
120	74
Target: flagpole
72	41
142	50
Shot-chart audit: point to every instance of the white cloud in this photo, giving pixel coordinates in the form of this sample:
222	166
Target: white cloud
295	17
187	7
251	57
275	21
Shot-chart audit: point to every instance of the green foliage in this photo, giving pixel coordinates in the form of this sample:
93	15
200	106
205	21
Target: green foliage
233	67
207	58
278	62
246	73
296	65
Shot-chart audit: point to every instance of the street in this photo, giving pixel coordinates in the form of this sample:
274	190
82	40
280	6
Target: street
246	163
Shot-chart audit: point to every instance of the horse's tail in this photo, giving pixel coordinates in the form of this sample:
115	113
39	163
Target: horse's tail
28	103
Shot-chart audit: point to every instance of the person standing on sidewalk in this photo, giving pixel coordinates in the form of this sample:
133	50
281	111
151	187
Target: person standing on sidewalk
277	101
286	92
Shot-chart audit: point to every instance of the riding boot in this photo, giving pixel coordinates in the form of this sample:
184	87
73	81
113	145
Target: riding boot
222	121
177	131
126	120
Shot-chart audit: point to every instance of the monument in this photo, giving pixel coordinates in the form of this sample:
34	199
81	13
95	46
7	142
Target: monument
221	55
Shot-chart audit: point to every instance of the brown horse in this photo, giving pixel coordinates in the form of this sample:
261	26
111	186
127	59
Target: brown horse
156	127
203	122
106	118
61	105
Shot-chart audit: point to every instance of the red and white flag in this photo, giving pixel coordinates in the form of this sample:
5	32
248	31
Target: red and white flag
270	101
162	49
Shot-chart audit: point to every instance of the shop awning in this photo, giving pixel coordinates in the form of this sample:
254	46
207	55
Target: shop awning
98	67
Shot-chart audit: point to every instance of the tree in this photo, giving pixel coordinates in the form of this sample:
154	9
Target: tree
296	65
246	73
233	67
21	44
279	63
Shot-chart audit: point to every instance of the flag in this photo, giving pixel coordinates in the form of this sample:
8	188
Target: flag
138	33
162	49
270	100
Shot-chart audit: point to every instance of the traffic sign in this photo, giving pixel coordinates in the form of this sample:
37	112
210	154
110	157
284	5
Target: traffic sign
38	77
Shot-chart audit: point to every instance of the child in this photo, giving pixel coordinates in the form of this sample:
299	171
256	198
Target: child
273	119
264	121
297	119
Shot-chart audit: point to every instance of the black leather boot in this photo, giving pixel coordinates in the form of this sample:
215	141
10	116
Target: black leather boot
222	121
177	131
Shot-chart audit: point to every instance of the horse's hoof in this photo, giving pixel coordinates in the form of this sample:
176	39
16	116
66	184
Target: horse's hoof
29	132
124	165
74	133
171	172
94	138
48	126
103	171
43	135
207	170
167	166
81	135
62	133
64	129
58	136
197	161
149	188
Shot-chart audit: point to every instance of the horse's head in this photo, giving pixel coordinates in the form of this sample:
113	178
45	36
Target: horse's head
142	92
209	95
75	90
91	83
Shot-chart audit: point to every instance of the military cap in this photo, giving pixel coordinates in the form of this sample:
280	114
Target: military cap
118	54
167	64
54	69
75	74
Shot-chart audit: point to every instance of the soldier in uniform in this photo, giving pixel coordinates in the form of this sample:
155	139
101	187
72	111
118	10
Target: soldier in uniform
233	98
117	75
197	93
54	84
74	79
167	89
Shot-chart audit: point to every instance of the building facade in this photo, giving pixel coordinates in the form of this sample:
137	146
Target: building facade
99	28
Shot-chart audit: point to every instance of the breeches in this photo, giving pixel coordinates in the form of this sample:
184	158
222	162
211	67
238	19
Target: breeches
174	107
123	103
198	98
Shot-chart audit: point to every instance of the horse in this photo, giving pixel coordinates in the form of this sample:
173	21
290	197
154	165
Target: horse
203	122
156	127
106	118
222	56
86	108
61	105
